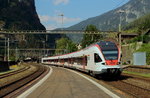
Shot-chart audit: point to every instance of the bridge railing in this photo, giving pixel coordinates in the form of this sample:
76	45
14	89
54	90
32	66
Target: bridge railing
23	39
54	32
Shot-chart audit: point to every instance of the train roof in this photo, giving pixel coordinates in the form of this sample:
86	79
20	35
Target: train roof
104	45
107	45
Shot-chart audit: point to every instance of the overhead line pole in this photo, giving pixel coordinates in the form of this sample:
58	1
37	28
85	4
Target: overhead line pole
5	55
120	28
8	50
62	20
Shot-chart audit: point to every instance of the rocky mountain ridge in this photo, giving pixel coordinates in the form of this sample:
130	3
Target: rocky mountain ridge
109	21
19	15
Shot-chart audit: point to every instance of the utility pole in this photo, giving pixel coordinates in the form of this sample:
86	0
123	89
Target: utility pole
8	50
62	15
120	39
47	52
16	54
46	41
44	47
5	55
120	27
23	37
120	20
46	37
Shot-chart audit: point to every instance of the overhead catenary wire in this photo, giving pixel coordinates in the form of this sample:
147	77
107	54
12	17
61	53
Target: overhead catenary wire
124	8
118	4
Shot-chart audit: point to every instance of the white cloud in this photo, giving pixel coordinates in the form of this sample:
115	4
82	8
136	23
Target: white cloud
57	2
53	22
50	27
44	18
69	20
57	19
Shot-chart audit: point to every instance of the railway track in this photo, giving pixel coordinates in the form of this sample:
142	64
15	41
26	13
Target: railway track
8	90
125	84
14	72
138	69
136	77
130	89
137	87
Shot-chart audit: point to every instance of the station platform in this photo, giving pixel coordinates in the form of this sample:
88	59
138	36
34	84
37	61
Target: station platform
63	83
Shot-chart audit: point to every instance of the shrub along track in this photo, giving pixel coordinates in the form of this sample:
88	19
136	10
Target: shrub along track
9	88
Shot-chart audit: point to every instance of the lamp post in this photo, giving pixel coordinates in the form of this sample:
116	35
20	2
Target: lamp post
62	15
5	54
120	28
44	47
120	19
16	58
8	50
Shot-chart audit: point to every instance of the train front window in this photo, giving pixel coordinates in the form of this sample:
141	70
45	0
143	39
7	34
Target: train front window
97	58
109	50
110	55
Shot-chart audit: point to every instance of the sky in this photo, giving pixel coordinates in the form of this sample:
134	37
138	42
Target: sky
74	11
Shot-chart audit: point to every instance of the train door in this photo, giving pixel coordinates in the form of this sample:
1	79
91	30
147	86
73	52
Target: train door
90	60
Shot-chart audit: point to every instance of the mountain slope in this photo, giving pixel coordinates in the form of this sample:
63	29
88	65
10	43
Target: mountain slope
19	15
110	20
140	25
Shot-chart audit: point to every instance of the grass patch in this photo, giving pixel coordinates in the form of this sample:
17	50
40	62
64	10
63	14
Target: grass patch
12	68
4	72
139	74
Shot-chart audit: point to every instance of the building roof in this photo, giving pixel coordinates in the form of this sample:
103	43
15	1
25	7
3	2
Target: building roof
126	35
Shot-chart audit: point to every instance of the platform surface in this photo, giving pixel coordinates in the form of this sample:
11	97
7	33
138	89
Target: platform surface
65	84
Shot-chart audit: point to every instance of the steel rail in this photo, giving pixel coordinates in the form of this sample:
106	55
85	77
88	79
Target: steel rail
13	72
10	88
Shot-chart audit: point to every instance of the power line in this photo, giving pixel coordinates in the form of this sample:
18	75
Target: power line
137	1
117	5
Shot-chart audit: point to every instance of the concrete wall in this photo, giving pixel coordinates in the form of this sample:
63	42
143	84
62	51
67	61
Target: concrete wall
127	52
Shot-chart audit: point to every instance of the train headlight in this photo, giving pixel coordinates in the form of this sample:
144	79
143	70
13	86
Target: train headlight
119	63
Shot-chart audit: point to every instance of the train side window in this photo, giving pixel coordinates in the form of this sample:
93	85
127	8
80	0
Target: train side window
97	58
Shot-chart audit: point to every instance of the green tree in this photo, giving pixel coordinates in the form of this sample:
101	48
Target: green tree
90	38
64	45
139	25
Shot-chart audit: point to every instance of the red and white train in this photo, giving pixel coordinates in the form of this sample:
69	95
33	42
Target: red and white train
101	58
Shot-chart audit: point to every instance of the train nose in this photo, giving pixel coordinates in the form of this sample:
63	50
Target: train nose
111	62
